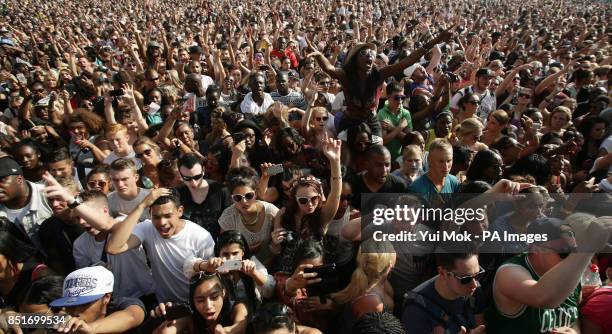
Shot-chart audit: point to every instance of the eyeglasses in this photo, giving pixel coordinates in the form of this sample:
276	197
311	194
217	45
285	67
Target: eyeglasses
305	200
246	197
346	198
527	96
192	178
321	119
467	279
474	102
146	152
399	97
367	52
94	183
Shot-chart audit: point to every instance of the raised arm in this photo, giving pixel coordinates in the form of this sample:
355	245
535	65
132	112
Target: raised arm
415	56
326	66
121	239
332	152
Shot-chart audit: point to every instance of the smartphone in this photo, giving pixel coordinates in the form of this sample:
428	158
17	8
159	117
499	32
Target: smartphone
116	92
275	169
329	280
230	265
238	137
177	311
21	78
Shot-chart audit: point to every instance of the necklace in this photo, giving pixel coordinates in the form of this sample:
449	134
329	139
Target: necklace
253	222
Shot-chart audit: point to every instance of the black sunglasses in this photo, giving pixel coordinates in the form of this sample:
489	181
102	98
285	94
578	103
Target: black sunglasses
321	119
146	152
474	102
192	178
467	279
399	97
247	197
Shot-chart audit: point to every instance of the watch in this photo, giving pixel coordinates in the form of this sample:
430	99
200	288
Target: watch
77	201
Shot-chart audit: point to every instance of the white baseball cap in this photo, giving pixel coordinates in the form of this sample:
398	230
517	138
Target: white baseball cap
84	286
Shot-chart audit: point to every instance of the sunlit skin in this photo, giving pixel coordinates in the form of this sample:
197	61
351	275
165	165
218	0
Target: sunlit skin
440	163
124	182
99	182
449	286
167	220
313	196
245	207
119	142
62	168
208	300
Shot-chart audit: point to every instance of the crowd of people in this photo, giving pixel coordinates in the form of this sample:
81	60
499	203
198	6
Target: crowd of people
209	166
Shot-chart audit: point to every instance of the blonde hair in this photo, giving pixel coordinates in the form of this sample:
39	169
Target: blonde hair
440	144
469	125
501	116
412	149
147	141
372	267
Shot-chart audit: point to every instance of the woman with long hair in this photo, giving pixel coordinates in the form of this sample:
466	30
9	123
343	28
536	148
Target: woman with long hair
369	290
487	166
248	215
249	282
149	154
213	309
496	123
468	105
469	133
307	214
558	120
359	140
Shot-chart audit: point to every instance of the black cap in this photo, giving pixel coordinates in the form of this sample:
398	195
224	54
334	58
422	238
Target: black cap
8	166
195	49
559	235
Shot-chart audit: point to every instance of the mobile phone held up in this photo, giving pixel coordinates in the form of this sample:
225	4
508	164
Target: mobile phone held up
177	311
238	137
275	169
116	92
329	280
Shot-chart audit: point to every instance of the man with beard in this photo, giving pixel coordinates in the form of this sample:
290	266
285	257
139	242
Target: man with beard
257	101
284	95
22	201
377	177
488	102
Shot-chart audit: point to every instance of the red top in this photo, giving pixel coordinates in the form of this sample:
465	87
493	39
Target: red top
598	308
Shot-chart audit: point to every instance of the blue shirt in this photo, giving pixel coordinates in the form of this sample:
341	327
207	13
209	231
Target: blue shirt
424	187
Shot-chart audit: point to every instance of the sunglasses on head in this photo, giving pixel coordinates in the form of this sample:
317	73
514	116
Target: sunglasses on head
467	279
321	119
146	152
399	97
305	200
202	276
246	197
192	178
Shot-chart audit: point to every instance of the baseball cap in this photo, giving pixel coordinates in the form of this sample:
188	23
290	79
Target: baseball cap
195	49
154	44
293	74
559	235
8	166
84	286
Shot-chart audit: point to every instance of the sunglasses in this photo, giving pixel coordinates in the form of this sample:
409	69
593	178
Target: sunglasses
321	119
192	178
93	184
41	90
399	97
516	79
305	200
474	102
146	152
325	83
467	279
527	96
246	197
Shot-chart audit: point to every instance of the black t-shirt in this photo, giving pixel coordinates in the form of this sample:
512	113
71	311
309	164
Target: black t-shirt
207	213
393	184
57	238
455	313
14	298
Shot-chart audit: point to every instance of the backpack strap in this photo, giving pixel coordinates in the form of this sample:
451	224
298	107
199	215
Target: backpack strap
438	314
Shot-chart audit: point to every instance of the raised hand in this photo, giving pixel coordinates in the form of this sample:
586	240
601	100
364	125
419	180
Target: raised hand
155	194
331	149
54	189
